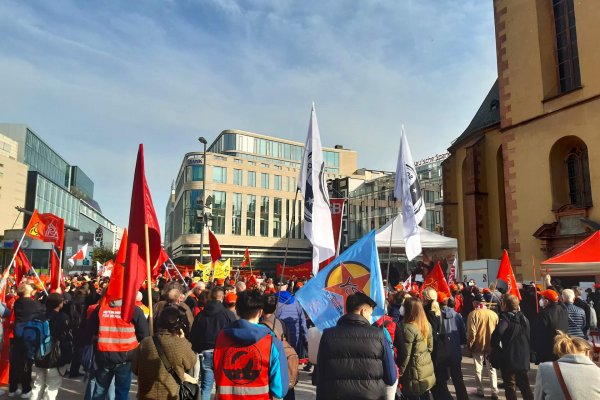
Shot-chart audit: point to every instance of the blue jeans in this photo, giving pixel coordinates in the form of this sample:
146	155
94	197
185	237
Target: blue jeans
122	377
91	384
207	374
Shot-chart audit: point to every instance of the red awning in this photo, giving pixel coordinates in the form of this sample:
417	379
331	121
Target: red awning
581	259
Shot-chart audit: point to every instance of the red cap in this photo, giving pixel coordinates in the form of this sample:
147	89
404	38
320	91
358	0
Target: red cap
485	290
230	298
597	286
550	295
453	287
220	282
442	297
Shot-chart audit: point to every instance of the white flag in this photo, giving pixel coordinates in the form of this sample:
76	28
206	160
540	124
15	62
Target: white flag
407	283
408	189
80	255
312	184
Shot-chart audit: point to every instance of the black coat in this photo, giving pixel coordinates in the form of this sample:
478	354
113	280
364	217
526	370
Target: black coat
588	312
512	336
550	320
208	324
351	361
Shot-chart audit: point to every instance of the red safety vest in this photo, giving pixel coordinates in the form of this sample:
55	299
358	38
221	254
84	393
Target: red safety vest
114	334
242	372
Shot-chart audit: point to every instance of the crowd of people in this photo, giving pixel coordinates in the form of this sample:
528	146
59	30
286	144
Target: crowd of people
248	337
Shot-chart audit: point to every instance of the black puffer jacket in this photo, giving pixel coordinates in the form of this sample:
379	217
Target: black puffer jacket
512	336
208	324
549	320
355	361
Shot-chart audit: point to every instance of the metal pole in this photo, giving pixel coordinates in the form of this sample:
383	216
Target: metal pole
15	253
203	204
39	280
178	272
287	244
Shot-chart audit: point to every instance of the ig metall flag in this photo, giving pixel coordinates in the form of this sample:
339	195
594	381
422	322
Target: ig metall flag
355	270
408	189
317	215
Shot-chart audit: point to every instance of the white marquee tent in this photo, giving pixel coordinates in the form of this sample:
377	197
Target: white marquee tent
429	240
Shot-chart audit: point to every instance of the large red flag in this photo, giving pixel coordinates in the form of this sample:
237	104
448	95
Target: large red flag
215	249
436	280
141	214
22	264
114	291
55	271
246	261
163	258
46	227
505	272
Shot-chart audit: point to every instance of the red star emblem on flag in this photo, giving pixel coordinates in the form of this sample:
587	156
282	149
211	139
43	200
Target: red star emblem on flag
352	280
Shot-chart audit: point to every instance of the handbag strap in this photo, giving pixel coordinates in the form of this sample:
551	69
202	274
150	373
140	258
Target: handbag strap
163	358
561	380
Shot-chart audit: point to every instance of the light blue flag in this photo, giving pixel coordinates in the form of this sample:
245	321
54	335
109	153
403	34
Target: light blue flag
355	270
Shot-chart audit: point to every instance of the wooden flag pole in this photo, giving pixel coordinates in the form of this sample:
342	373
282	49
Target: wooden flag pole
39	280
287	244
149	281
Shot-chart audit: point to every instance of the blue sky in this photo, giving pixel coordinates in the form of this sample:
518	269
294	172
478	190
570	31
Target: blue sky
95	78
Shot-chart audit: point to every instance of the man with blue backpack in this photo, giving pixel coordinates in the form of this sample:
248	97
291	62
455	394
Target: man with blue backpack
48	379
28	313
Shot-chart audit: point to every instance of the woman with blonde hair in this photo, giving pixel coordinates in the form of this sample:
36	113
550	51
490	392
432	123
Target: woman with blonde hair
441	346
416	368
574	376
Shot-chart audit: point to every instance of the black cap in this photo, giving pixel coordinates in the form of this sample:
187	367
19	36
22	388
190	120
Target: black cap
354	301
282	283
478	297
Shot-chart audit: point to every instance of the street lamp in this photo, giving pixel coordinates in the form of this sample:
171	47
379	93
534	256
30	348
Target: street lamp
201	204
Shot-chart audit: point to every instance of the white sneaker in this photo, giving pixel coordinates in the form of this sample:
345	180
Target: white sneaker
27	395
15	393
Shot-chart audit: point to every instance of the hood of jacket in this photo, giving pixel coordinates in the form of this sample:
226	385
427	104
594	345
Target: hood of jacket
286	297
213	308
246	332
352	319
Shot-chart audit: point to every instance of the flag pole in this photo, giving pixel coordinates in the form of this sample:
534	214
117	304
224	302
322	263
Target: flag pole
16	250
39	280
149	282
537	305
287	244
250	261
178	272
387	274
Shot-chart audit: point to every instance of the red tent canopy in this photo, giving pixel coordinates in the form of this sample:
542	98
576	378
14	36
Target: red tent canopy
581	259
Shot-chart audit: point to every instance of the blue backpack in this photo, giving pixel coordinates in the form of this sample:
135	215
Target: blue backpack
36	338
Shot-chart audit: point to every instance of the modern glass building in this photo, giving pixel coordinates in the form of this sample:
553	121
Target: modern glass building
251	180
54	186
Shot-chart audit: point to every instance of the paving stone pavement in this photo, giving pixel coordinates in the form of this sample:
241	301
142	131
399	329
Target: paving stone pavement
73	389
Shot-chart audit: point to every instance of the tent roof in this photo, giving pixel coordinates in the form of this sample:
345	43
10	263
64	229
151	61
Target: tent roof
581	259
429	240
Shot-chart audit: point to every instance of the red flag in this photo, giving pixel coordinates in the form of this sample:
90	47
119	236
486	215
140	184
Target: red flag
505	272
246	261
114	291
22	264
436	280
4	285
215	249
141	214
46	227
55	271
163	258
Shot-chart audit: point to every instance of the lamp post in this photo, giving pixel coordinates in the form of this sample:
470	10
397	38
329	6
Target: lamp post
200	207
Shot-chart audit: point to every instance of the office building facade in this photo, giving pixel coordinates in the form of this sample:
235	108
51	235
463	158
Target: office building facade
13	180
52	185
251	180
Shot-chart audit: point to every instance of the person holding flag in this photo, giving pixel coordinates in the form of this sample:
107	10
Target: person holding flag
318	227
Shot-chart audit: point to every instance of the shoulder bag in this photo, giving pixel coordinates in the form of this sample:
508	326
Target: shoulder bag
187	390
561	380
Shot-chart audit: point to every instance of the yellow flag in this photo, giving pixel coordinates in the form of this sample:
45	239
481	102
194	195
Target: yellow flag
222	269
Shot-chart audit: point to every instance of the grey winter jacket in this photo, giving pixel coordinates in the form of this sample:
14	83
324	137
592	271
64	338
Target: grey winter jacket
581	376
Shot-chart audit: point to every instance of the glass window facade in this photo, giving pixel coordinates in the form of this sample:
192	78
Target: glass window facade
264	180
219	174
218	212
251	179
52	198
277	182
189	200
264	216
237	177
236	214
251	215
41	158
277	215
194	173
81	183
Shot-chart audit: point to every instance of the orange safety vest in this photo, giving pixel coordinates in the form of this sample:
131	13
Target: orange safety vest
242	372
114	334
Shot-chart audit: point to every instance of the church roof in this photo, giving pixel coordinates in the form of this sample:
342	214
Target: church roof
488	115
